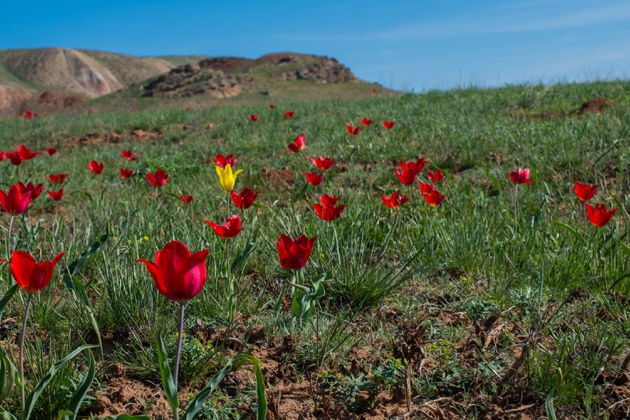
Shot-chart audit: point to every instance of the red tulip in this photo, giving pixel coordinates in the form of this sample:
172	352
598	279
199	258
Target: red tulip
395	200
353	131
96	167
178	274
14	157
16	200
426	188
31	276
327	210
599	215
126	173
388	124
433	198
407	174
436	176
366	121
157	179
221	160
313	178
294	254
186	198
289	114
419	164
34	189
584	192
373	90
322	163
244	199
25	153
230	229
57	178
298	144
28	114
55	195
271	106
254	117
128	154
520	176
51	151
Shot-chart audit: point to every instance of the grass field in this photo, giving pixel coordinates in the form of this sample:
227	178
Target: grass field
496	303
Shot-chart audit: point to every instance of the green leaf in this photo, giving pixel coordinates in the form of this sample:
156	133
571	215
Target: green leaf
303	304
41	385
551	412
235	362
79	395
242	257
8	374
7	297
168	383
575	232
5	415
126	417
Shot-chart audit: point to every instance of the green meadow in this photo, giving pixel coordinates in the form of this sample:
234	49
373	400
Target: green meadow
501	301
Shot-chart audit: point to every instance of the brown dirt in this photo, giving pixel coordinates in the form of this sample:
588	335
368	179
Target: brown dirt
278	179
110	138
13	97
595	106
55	99
121	395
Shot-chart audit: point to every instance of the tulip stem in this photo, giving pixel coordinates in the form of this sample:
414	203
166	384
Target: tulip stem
516	205
21	354
182	306
9	234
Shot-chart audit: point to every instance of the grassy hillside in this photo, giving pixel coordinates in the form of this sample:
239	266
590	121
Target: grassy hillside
500	302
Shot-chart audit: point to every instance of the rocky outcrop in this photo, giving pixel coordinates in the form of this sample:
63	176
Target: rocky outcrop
194	79
325	70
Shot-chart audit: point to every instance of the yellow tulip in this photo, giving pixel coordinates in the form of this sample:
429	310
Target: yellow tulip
227	178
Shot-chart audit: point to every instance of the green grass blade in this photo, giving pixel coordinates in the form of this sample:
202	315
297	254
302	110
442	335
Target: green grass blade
79	395
7	297
8	374
170	388
41	385
197	403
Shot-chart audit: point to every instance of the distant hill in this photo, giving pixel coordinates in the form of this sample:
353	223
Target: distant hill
27	74
48	79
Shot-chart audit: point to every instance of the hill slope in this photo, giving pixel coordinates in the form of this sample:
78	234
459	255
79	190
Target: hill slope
26	73
50	78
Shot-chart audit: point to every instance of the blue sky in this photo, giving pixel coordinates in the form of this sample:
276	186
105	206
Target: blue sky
411	45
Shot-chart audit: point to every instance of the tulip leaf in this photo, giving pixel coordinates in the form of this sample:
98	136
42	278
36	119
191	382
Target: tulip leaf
7	297
196	404
242	257
303	304
5	415
79	395
168	383
41	385
8	374
575	232
551	412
